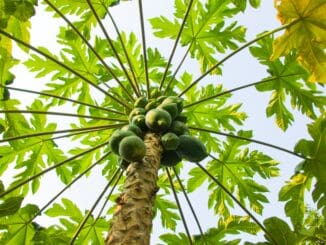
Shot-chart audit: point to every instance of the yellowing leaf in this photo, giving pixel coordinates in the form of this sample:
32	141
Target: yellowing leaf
307	35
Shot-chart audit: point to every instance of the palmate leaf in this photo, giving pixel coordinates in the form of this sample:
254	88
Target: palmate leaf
71	216
289	84
17	230
307	35
52	236
14	18
29	154
294	193
216	112
10	206
205	29
165	207
280	231
232	225
315	166
235	168
82	10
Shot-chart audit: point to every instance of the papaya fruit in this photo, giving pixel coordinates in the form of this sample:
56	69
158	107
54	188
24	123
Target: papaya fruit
179	128
171	108
174	99
139	121
152	104
182	118
140	102
133	128
136	111
116	138
170	141
161	98
170	158
132	148
191	148
158	120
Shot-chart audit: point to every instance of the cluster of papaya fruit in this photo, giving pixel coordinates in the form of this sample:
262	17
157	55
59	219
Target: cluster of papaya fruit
161	115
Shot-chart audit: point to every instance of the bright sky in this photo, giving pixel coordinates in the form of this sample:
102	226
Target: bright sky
238	71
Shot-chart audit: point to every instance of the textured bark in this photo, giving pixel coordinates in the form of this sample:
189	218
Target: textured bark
132	220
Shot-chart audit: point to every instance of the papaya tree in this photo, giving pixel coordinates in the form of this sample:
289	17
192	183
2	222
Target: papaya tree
96	103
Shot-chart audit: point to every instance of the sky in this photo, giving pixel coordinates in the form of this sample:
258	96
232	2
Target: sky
242	69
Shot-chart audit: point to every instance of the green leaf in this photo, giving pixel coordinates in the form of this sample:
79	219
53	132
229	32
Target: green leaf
170	239
205	31
232	225
280	231
168	217
10	206
288	84
197	178
294	193
316	166
254	3
71	217
52	236
17	230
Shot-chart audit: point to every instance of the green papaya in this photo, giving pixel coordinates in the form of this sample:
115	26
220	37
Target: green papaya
182	118
170	158
136	111
179	128
139	121
170	108
152	104
133	128
158	120
174	99
140	102
170	141
161	98
116	138
191	148
132	148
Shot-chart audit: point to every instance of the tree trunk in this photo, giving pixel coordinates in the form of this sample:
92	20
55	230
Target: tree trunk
132	220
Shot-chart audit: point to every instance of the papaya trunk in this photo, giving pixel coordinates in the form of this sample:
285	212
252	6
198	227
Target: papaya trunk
132	221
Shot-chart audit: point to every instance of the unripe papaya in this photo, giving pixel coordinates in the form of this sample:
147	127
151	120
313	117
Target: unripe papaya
170	141
158	120
141	102
116	138
174	99
161	98
171	108
181	118
191	148
132	148
133	128
136	111
179	128
170	158
152	104
139	121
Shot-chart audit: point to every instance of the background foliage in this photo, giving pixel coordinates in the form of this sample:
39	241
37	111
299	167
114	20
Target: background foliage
94	78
